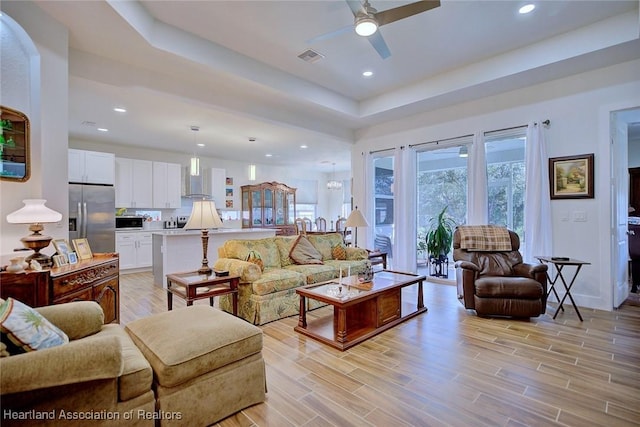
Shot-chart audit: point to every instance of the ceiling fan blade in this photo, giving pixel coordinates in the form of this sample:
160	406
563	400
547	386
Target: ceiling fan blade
379	45
331	34
391	15
355	6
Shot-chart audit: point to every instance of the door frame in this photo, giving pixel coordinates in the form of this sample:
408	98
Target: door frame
619	153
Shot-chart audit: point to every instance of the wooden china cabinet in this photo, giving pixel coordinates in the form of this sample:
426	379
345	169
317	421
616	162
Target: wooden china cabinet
269	205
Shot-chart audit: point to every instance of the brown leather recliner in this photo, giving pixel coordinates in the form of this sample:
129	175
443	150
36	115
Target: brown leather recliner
499	283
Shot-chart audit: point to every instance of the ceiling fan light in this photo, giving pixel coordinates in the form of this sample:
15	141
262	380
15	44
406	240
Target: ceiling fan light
366	25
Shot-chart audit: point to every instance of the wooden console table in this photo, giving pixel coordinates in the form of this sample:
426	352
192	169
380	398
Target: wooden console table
95	279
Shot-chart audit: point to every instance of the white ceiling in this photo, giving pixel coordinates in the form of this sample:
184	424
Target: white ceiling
231	67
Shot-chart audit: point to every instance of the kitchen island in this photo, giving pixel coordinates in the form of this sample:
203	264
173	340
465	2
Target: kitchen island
176	251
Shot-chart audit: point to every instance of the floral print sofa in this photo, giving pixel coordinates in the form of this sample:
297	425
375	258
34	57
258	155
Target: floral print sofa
269	294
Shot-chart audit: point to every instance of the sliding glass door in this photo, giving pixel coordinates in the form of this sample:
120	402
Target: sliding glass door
384	235
441	184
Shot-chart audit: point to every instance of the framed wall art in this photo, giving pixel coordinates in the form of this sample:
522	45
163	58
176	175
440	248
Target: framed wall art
15	162
62	247
571	177
83	250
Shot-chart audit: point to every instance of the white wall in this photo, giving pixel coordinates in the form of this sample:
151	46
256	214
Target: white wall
578	109
34	80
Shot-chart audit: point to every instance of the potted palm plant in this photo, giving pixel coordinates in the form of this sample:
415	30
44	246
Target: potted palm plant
439	239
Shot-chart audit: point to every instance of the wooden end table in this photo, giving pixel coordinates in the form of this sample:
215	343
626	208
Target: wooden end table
192	286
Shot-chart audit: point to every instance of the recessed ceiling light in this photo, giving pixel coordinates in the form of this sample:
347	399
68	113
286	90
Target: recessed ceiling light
304	146
120	110
103	129
268	155
200	144
527	8
367	73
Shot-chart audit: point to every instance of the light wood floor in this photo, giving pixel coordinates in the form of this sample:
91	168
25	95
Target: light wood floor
446	367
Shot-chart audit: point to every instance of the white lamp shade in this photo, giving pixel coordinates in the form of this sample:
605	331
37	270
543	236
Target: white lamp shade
34	212
356	219
203	216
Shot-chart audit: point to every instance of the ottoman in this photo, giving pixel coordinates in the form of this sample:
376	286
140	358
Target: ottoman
207	364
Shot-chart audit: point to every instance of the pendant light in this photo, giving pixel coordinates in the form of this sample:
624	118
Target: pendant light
194	169
332	184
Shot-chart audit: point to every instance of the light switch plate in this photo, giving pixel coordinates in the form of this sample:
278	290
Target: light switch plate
580	216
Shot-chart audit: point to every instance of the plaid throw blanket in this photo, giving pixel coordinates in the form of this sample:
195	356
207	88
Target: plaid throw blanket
484	238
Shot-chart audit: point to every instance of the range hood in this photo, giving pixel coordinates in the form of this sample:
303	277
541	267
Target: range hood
196	186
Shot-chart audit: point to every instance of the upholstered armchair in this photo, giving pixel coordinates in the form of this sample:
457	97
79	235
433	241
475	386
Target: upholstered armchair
100	370
491	277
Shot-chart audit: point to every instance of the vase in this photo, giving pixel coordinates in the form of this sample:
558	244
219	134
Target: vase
16	265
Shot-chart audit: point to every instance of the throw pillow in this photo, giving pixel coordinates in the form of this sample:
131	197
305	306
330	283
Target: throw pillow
3	350
254	257
339	252
303	252
27	328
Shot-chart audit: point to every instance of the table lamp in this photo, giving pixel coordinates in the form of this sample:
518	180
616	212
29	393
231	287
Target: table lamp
204	216
355	220
34	212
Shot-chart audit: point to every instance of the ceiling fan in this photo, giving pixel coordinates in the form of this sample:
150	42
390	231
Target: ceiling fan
367	20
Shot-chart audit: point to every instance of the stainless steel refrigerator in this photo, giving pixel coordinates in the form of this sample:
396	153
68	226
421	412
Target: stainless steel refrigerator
92	215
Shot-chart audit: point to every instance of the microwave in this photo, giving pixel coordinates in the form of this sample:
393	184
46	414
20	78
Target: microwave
129	222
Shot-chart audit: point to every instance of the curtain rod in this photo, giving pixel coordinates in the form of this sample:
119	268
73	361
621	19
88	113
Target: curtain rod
546	122
439	141
380	151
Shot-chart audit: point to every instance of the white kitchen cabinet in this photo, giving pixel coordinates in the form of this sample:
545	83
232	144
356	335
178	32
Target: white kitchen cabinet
135	249
166	185
134	183
91	167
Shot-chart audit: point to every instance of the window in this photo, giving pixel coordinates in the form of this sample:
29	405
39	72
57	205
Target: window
306	210
506	178
441	182
383	201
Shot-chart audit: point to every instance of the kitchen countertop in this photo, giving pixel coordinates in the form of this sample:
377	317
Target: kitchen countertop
181	232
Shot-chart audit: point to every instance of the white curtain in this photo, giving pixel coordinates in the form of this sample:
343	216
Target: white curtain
477	194
366	201
537	210
404	245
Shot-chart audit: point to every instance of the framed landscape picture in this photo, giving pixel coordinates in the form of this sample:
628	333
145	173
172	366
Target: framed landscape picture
83	251
571	177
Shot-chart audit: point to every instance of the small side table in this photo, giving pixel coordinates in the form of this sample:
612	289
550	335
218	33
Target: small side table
559	264
192	286
377	257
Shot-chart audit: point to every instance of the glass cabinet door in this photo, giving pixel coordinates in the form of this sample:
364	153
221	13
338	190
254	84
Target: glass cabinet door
246	217
280	207
291	208
268	207
256	208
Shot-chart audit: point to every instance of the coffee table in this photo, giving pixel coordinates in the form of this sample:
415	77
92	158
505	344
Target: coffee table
359	314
